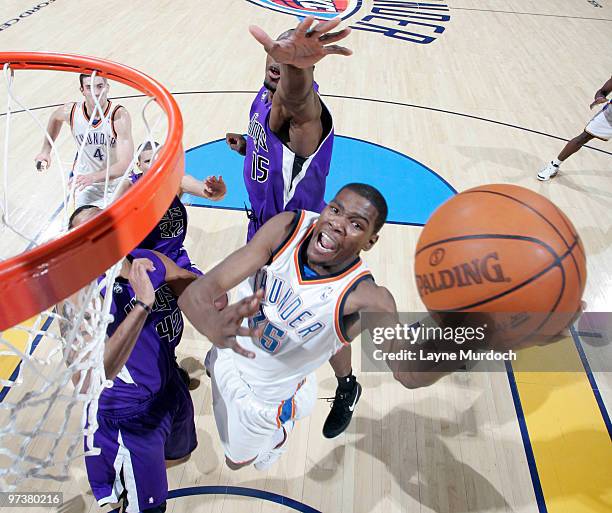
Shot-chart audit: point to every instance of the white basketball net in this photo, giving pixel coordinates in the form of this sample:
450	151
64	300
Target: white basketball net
51	367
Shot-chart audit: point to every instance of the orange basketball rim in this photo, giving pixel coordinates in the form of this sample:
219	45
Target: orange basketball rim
37	279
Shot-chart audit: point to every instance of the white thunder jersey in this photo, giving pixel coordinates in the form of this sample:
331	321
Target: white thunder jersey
302	317
99	150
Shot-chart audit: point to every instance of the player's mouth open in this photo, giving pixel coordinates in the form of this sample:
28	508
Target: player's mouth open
274	72
325	243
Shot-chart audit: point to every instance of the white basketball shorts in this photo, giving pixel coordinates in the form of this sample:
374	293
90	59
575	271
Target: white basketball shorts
246	424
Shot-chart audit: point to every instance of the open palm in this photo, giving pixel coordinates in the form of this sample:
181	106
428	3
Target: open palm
304	47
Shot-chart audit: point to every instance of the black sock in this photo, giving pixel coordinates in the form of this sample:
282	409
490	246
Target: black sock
347	383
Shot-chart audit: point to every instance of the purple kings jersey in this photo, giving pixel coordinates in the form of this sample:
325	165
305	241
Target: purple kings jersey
169	234
276	179
149	366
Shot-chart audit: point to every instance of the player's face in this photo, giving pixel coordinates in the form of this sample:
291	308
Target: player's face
345	228
145	160
100	90
272	74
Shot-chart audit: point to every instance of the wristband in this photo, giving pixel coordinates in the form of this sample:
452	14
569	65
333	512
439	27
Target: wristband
146	307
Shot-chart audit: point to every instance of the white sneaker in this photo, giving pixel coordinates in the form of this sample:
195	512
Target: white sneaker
267	459
550	171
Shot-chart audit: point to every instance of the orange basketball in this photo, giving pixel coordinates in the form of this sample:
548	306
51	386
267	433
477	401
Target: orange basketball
502	248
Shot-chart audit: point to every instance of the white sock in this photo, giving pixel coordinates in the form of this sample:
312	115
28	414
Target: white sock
556	162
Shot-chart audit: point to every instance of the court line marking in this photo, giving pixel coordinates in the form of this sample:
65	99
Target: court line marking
531	463
5	390
530	14
240	491
589	334
361	98
592	380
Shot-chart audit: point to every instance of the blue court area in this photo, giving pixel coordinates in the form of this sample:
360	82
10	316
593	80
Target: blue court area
413	191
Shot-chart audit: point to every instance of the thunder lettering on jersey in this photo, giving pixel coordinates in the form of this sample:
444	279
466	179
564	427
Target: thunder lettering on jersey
276	179
151	363
301	316
99	138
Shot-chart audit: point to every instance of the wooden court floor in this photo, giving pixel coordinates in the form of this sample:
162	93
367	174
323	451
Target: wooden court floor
495	94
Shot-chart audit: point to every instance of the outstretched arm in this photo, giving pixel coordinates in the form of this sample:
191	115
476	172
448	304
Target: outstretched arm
198	300
176	277
295	100
59	116
374	299
212	188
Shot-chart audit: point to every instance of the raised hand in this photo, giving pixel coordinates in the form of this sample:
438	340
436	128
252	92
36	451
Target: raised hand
598	101
304	46
229	324
140	281
214	188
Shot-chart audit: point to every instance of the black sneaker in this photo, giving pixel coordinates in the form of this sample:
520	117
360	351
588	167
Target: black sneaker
343	406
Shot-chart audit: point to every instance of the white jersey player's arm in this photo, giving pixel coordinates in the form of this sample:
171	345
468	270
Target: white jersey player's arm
58	117
176	277
602	93
124	151
369	297
605	90
123	186
124	148
198	300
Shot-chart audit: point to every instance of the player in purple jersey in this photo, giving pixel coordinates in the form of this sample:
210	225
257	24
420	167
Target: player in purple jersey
288	153
168	236
146	418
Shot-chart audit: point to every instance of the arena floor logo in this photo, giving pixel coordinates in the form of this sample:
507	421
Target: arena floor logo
414	22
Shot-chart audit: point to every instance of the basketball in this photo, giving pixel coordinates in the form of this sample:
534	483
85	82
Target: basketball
504	249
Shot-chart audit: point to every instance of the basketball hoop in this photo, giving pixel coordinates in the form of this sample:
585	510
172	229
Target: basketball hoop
70	369
39	278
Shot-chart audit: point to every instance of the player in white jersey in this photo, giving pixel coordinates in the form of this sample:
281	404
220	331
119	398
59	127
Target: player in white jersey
599	127
104	143
311	287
